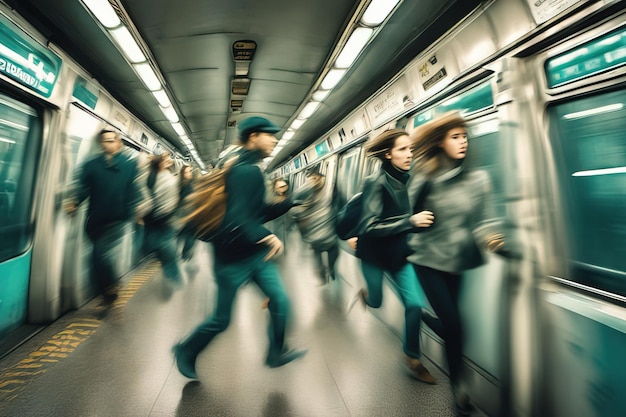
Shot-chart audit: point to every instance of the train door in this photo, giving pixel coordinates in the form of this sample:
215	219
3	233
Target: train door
583	297
21	130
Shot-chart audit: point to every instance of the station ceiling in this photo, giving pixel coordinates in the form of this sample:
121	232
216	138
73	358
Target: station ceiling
191	43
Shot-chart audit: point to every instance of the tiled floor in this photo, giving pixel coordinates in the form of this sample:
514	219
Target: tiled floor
121	365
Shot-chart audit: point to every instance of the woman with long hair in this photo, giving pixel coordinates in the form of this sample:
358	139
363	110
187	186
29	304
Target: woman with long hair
160	233
458	223
382	243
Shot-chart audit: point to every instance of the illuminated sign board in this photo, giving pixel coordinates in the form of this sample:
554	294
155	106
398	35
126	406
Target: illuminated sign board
26	61
593	57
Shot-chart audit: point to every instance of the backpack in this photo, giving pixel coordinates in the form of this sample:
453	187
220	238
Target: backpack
349	218
205	207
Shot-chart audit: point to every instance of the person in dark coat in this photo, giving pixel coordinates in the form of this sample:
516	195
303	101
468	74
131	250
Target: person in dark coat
382	245
243	249
461	220
109	182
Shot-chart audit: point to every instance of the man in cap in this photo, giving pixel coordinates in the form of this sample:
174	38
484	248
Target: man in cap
243	248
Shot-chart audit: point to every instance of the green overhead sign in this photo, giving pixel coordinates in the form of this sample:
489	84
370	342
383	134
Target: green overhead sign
26	61
599	55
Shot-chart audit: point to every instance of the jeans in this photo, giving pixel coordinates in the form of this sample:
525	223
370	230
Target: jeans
161	239
229	277
409	292
442	290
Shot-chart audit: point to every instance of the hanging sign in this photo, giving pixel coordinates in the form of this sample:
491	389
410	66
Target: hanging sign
26	61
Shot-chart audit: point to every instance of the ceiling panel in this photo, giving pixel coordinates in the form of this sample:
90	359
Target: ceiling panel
191	42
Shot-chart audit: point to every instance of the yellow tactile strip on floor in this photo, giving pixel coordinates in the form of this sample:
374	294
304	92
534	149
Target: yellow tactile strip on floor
59	346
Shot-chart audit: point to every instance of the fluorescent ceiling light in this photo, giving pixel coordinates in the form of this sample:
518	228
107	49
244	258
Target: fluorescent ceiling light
596	172
353	47
320	95
127	43
104	12
288	135
377	11
296	124
171	115
162	98
308	110
7	140
147	75
178	128
332	78
593	112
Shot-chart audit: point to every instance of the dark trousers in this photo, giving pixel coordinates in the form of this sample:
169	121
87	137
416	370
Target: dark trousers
103	258
333	255
229	277
442	290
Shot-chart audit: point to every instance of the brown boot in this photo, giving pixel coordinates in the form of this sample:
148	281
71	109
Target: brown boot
419	372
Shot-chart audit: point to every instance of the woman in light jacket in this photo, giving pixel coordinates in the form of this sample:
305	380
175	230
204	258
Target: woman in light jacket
160	232
382	244
458	224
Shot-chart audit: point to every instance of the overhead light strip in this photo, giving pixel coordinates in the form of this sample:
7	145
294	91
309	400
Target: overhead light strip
129	44
363	29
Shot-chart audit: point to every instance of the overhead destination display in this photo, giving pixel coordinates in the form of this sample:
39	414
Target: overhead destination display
26	61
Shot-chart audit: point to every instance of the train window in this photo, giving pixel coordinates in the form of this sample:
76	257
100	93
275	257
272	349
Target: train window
588	137
20	138
348	173
593	57
485	152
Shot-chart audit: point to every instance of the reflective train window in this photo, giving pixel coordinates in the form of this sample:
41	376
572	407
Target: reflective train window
20	133
348	173
589	140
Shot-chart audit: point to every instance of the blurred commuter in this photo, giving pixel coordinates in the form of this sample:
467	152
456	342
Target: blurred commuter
458	221
243	249
185	188
315	217
382	245
278	226
109	181
160	231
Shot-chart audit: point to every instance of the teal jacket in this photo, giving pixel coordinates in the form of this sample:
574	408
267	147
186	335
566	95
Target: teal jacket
246	210
112	191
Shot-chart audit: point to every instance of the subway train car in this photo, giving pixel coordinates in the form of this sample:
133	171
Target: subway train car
544	96
51	112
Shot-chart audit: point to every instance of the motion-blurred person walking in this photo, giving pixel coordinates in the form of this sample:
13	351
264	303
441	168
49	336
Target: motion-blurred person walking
243	250
454	206
382	245
160	231
315	217
109	182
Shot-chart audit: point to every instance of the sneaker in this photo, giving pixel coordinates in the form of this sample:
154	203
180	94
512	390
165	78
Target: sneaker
284	358
185	364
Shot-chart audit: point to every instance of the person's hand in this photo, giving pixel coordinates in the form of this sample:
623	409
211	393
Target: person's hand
70	208
422	219
276	246
352	242
495	242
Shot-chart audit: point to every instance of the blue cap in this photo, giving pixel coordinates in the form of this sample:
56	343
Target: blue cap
256	124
